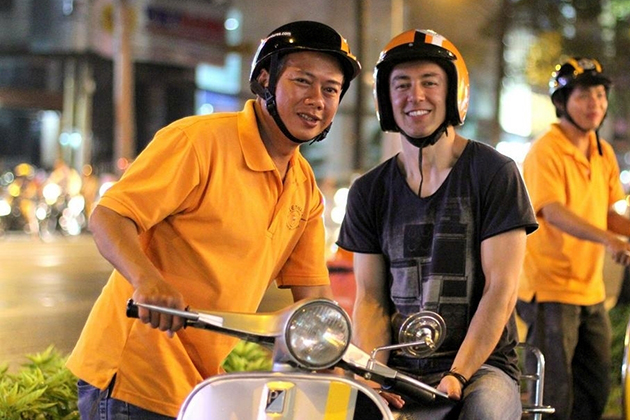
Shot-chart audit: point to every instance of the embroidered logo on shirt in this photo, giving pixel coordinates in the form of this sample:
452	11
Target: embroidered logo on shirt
293	219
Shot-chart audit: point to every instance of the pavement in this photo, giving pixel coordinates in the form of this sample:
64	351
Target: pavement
47	289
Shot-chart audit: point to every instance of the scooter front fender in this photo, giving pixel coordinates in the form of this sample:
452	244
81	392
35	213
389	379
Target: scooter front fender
283	396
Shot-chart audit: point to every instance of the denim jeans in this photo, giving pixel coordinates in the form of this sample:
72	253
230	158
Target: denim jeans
490	395
576	342
97	404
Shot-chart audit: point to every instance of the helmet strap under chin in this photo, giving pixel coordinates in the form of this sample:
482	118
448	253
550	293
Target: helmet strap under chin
430	140
421	143
421	173
572	121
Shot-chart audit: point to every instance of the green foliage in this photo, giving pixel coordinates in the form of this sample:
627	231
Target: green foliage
43	389
620	9
247	356
619	316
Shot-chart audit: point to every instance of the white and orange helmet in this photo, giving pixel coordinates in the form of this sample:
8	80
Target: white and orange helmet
421	44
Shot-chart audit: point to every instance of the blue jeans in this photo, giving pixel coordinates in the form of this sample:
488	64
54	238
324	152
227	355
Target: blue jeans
491	394
576	342
97	404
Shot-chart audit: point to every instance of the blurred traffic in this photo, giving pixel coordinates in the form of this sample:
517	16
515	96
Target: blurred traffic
43	203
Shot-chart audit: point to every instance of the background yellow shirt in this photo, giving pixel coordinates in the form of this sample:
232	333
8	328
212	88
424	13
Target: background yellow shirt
559	267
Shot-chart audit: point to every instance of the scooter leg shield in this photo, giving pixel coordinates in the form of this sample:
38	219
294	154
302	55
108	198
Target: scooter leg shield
280	396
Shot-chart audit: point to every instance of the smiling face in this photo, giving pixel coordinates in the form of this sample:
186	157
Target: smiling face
587	106
417	91
307	92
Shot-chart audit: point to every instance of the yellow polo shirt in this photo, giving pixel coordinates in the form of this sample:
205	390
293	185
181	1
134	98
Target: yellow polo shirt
219	223
559	267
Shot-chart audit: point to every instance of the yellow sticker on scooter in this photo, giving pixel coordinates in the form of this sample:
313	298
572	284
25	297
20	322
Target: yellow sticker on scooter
338	403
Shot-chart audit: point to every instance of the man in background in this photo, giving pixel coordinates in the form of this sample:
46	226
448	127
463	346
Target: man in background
573	180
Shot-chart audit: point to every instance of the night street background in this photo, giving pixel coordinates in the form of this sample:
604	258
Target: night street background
46	292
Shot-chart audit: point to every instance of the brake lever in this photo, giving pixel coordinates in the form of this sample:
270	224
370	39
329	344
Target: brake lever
361	363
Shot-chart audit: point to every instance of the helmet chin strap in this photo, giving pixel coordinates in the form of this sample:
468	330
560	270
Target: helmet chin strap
268	94
572	121
421	143
430	140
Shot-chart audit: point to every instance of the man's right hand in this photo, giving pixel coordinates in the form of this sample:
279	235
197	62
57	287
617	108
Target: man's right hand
620	250
160	293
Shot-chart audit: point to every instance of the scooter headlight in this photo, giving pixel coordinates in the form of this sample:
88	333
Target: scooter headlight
318	334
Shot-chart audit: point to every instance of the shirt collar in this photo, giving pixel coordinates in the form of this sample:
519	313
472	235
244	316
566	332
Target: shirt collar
254	152
569	148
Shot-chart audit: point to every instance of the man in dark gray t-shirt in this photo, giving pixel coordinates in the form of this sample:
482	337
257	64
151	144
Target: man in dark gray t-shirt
441	226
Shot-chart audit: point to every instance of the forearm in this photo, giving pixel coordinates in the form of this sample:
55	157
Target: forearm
116	238
372	330
371	311
562	218
371	327
567	221
618	224
485	330
501	259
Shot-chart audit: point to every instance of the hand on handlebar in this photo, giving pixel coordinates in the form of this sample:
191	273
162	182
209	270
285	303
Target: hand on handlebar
160	293
452	387
392	399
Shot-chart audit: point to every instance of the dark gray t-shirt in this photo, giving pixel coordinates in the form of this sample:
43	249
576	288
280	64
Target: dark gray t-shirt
432	245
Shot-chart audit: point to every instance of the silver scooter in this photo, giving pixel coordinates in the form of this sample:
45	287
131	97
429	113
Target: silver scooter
307	340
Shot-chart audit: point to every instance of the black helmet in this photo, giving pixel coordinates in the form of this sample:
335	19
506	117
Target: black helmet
294	37
310	36
574	71
419	44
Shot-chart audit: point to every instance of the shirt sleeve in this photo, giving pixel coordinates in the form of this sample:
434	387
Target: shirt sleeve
505	203
159	182
544	177
359	230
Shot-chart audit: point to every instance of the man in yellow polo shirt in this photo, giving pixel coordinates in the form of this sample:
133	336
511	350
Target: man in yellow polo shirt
573	178
209	214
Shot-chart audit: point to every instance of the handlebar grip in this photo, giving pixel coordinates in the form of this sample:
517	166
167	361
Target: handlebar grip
132	309
409	390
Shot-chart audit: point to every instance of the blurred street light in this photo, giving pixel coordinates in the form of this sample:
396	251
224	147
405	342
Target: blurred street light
124	112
